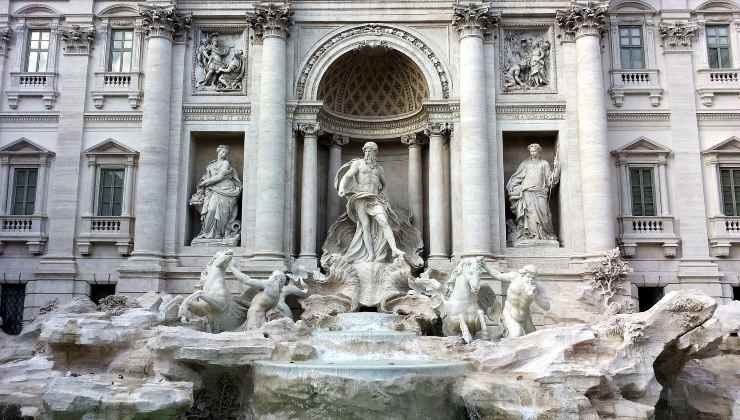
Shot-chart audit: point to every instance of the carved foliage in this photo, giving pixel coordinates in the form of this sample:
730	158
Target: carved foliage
270	20
583	18
677	34
77	40
473	19
527	60
162	21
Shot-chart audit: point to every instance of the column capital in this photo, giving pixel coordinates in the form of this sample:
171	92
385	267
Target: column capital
677	35
162	21
337	140
271	20
438	129
412	140
583	18
312	129
474	19
78	40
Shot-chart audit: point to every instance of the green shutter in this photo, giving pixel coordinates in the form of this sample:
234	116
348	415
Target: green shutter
110	192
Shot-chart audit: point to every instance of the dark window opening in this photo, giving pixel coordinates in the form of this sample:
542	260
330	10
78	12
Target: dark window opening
100	291
648	297
12	297
736	293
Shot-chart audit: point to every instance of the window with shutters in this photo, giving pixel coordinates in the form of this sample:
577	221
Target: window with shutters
730	185
631	51
110	191
24	191
643	191
718	46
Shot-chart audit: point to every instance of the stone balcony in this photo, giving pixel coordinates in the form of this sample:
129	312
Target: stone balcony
716	81
32	84
635	82
110	84
118	230
636	230
723	232
28	229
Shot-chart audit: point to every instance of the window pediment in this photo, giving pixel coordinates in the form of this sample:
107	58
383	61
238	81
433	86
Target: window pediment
727	151
642	150
111	148
25	147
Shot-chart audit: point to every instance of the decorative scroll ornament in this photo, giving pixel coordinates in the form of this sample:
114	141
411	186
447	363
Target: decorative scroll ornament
474	19
271	20
77	40
677	35
583	18
309	129
5	34
162	21
412	140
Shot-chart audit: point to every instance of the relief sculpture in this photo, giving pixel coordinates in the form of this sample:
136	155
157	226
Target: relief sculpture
526	59
220	67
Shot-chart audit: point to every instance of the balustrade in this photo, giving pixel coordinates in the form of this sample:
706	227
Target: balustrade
635	230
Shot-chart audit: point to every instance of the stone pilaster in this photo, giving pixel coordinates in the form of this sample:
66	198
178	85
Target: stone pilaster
272	22
415	181
586	21
333	202
472	21
309	195
439	206
144	270
5	34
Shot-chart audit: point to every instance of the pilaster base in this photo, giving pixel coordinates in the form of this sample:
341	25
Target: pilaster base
267	263
139	275
307	262
701	274
439	263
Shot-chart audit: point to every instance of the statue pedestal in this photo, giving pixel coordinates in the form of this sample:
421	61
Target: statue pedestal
536	243
200	242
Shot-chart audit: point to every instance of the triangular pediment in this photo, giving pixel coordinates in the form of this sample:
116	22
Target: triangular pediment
24	146
731	145
643	145
110	147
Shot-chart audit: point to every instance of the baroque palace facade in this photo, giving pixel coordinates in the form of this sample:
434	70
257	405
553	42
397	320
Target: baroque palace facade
114	114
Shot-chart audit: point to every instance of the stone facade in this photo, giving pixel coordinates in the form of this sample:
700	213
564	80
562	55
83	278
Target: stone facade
452	94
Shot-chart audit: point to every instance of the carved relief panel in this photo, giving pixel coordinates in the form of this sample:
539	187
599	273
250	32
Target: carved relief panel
527	60
220	60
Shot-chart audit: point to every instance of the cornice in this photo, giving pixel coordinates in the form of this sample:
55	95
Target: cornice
113	116
530	111
14	117
638	116
216	112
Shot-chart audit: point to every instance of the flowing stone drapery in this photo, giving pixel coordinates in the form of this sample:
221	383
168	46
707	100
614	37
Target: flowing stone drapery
587	20
160	26
333	202
438	205
309	195
471	22
415	188
272	23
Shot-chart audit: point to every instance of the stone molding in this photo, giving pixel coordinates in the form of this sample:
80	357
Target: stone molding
216	112
379	31
677	35
113	116
638	116
29	117
5	34
162	21
78	40
583	18
718	116
368	129
474	19
530	111
271	20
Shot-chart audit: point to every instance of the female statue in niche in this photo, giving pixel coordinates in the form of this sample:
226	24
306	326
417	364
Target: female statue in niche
529	191
217	200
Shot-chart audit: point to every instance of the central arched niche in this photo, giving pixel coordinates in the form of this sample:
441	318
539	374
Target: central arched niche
373	82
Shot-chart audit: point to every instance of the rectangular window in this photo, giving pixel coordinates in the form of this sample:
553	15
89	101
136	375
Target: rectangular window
110	193
121	50
630	47
729	179
643	192
24	191
718	46
38	51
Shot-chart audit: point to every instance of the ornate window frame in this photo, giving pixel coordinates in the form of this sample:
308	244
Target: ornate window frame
30	229
711	82
724	231
645	81
34	84
117	84
636	230
118	230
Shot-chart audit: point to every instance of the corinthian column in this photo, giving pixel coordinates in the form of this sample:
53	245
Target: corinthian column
438	204
471	22
587	20
160	25
333	203
309	195
272	23
415	189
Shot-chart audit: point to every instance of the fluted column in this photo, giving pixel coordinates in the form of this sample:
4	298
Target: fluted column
438	210
587	20
160	27
272	23
309	195
415	185
471	22
333	202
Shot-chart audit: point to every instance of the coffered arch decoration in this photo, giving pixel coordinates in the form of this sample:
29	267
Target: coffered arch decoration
336	44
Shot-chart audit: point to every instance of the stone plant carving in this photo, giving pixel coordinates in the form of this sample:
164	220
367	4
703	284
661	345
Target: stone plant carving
114	304
217	201
218	73
529	190
460	307
521	294
606	275
526	57
677	34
